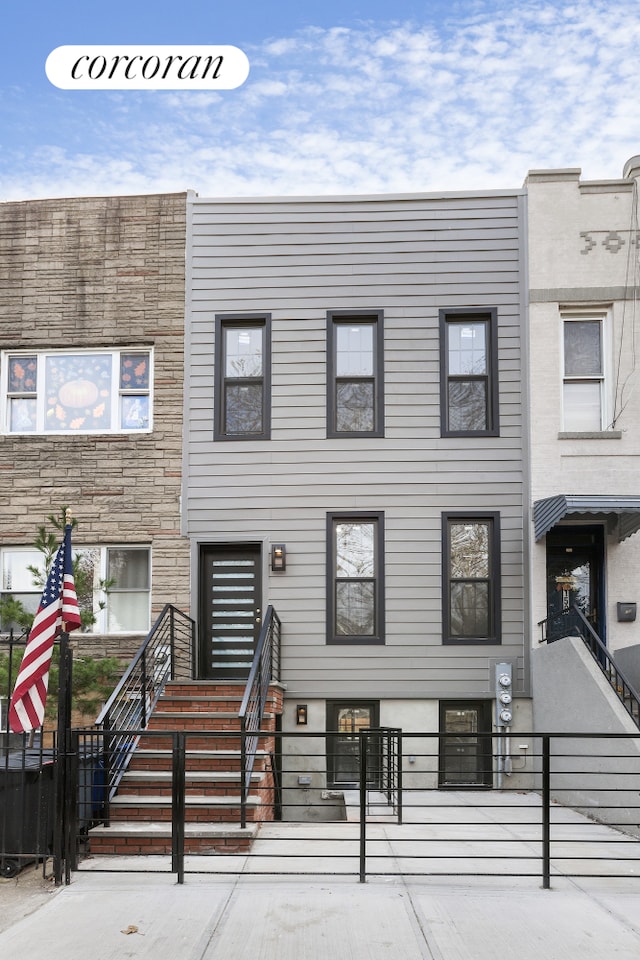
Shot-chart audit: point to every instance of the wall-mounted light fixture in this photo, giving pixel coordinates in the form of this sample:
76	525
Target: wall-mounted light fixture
301	714
278	556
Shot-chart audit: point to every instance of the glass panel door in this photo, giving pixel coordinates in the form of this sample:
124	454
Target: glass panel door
465	753
343	750
230	611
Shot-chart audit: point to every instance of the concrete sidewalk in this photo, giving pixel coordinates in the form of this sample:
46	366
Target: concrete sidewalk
106	915
234	908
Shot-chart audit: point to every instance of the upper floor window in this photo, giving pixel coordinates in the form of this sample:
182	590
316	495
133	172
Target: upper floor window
79	391
355	578
583	374
243	373
355	395
123	608
471	578
468	373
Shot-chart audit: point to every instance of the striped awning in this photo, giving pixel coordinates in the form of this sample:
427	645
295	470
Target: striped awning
622	513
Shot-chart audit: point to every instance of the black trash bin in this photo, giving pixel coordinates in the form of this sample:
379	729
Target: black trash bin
91	787
26	809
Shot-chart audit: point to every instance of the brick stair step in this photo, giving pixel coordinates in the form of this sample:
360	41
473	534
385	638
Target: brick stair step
197	808
193	776
203	760
214	740
136	838
139	783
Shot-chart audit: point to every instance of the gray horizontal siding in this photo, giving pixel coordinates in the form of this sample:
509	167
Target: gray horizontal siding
410	257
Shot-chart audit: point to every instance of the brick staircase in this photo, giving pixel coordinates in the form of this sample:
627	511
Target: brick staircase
141	810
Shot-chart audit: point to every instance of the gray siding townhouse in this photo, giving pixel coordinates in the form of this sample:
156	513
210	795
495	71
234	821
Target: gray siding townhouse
91	377
355	456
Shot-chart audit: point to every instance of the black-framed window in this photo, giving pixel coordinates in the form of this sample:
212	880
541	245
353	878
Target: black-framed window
355	373
345	720
471	578
469	373
355	578
242	377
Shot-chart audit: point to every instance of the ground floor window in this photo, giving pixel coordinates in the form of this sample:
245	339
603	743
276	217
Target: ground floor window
345	719
465	744
116	585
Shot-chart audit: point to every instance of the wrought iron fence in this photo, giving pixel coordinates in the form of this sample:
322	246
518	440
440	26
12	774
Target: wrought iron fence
27	769
571	808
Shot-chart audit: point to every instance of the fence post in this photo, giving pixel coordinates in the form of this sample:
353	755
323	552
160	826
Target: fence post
73	800
178	810
399	769
363	744
107	753
62	800
546	812
172	642
243	773
143	690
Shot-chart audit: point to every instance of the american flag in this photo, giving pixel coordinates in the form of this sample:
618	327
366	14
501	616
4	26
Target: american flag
58	611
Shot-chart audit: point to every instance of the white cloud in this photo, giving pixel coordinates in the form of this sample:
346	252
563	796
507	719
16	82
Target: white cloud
472	104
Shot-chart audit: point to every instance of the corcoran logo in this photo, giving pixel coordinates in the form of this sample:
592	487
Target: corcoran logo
147	68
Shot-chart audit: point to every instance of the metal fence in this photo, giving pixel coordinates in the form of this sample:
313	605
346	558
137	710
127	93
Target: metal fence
27	769
569	807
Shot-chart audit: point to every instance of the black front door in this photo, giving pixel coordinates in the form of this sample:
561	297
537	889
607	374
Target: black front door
465	744
345	720
575	562
230	615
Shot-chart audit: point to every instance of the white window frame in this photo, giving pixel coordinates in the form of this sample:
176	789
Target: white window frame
603	379
101	626
118	394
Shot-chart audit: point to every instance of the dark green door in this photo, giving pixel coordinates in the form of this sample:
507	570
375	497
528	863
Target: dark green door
230	616
575	578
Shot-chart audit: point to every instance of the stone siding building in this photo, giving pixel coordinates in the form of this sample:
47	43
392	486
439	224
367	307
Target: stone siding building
92	345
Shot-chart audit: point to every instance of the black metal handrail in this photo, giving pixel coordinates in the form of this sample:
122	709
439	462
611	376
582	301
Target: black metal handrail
168	646
578	625
264	669
385	765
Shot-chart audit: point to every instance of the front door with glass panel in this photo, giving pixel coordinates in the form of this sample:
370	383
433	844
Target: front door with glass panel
574	579
230	615
465	744
344	722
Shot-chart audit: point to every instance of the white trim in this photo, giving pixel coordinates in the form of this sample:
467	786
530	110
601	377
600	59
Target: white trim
117	393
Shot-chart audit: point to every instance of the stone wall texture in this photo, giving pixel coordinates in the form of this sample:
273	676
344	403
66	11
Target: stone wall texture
89	273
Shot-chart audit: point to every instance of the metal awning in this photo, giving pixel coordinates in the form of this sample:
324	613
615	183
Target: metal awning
621	513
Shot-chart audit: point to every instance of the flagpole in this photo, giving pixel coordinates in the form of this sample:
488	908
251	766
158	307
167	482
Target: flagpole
65	676
64	728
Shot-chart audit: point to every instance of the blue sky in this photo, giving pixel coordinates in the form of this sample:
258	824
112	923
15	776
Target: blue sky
343	96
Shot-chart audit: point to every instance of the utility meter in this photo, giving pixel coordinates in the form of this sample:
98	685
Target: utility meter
504	694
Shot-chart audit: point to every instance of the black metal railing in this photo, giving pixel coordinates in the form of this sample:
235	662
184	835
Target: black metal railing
573	622
570	808
27	776
264	669
384	769
168	646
